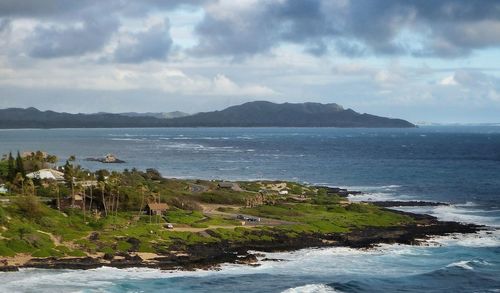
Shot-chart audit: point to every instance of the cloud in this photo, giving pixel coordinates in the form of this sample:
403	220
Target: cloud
75	28
152	44
58	8
447	28
36	8
449	80
89	35
239	29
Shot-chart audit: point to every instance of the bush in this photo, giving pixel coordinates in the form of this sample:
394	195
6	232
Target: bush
358	207
185	204
29	206
222	197
77	253
18	245
5	250
47	252
3	217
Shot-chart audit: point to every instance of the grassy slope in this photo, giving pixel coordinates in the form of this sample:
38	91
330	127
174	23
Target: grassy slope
22	234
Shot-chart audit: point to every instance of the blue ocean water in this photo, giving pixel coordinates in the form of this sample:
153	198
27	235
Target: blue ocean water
459	165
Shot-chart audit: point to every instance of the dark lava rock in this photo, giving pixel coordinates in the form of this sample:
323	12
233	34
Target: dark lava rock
248	259
94	236
83	263
9	269
273	259
134	242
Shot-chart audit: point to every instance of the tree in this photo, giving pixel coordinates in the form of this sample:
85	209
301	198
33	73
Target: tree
102	186
51	159
29	206
20	164
11	168
91	187
19	182
143	189
30	187
69	176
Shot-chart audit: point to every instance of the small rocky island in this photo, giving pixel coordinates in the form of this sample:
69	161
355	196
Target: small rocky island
107	159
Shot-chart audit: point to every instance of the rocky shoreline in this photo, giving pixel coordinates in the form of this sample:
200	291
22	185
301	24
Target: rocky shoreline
211	255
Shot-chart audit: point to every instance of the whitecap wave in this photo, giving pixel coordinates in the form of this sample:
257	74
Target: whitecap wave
465	264
487	238
311	288
127	139
458	213
468	264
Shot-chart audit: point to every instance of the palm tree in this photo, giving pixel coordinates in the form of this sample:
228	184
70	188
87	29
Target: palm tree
102	186
83	189
91	197
58	197
143	189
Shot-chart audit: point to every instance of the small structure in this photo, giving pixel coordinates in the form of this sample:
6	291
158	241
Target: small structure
229	185
3	189
156	208
46	174
70	202
283	192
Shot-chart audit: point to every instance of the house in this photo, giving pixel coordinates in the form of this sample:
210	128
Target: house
156	208
229	185
283	192
46	174
3	189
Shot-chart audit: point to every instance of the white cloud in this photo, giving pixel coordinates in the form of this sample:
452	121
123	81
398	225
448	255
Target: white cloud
449	80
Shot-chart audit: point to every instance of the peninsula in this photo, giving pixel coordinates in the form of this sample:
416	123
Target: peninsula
252	114
77	219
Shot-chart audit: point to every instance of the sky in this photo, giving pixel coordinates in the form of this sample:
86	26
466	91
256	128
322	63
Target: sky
421	60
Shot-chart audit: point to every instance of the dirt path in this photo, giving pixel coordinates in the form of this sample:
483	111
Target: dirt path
54	239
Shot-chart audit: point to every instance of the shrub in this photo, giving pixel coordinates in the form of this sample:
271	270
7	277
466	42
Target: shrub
185	204
358	207
3	217
77	253
29	206
47	252
5	250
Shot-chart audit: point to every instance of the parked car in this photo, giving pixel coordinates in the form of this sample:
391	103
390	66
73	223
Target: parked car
169	226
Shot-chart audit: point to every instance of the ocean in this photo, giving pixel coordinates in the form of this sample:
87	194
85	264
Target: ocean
459	165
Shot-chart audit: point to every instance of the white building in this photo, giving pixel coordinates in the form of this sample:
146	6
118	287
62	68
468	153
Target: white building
46	174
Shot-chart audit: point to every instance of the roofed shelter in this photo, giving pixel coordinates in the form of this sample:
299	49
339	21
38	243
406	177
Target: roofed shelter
156	208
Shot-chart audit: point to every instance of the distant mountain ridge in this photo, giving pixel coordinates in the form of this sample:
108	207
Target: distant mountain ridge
267	114
251	114
159	115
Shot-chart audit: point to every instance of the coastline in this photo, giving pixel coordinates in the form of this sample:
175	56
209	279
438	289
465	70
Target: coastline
212	255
